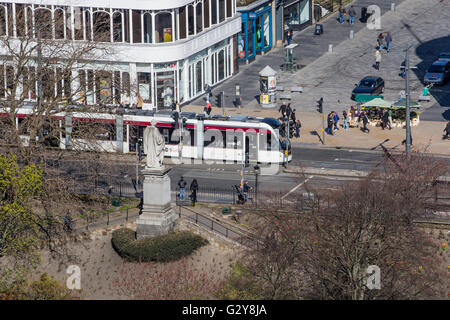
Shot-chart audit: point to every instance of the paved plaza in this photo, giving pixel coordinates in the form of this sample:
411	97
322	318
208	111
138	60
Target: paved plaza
422	24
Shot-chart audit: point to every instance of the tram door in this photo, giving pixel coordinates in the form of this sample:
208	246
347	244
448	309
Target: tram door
251	147
136	137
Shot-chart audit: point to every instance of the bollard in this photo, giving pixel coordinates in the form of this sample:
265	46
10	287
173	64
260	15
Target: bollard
392	6
330	48
352	34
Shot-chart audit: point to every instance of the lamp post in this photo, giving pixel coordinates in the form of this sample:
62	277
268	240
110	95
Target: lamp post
407	106
257	172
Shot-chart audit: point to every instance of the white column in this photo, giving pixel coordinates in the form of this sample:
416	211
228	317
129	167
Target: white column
195	18
72	22
187	21
75	83
122	16
6	20
53	22
111	26
133	83
153	28
173	24
130	13
14	22
210	18
185	77
65	24
83	12
25	10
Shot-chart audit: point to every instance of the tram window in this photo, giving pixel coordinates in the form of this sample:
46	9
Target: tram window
265	141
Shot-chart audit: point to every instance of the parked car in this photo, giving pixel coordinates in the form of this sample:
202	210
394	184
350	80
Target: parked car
438	73
369	85
444	56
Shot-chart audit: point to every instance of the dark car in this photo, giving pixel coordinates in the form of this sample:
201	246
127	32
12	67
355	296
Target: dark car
369	85
438	73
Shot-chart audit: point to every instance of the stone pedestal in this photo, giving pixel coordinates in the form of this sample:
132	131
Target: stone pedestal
157	216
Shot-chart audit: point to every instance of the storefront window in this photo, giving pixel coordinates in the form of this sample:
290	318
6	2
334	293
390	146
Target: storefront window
163	27
221	61
267	32
144	88
297	13
165	84
198	75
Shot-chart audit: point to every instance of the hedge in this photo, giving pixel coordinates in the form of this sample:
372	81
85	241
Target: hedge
169	247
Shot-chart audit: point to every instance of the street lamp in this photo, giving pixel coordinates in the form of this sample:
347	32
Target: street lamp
257	172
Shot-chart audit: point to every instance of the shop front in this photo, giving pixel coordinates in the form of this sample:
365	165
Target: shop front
297	14
256	33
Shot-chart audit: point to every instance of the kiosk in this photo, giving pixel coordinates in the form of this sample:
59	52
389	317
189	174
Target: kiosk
268	86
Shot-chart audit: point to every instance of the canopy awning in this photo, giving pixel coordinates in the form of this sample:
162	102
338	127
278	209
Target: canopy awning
378	102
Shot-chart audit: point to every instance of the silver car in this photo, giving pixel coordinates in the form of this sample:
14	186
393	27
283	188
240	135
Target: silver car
438	73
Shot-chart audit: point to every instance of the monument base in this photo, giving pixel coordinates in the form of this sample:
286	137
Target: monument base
157	216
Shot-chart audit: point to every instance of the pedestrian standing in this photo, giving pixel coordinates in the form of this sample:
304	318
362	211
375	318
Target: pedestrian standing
208	108
388	40
282	110
377	59
341	14
293	117
182	185
447	131
194	189
365	120
345	116
390	118
289	36
385	120
336	121
288	111
351	15
246	188
357	118
298	125
330	124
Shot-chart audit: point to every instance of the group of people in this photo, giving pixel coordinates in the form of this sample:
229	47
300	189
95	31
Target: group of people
355	116
182	190
351	14
288	116
382	42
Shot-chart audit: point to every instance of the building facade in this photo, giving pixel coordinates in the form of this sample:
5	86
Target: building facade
163	51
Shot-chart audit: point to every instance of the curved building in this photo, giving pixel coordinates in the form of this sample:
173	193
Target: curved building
163	51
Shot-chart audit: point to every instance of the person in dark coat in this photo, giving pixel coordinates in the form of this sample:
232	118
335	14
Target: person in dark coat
298	125
282	110
288	111
365	120
194	189
182	185
447	131
293	118
330	123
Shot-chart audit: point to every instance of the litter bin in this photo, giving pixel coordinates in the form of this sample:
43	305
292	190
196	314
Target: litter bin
318	29
116	202
226	210
364	14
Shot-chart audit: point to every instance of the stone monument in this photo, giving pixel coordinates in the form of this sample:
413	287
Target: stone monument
157	216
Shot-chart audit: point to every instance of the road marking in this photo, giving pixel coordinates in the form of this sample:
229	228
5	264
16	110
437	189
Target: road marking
296	187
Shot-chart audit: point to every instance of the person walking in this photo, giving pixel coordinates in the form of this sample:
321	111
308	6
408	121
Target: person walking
293	117
330	124
345	124
447	131
389	112
208	108
357	118
288	111
194	189
182	187
298	125
336	121
365	120
351	15
388	40
384	120
341	14
377	59
380	40
289	36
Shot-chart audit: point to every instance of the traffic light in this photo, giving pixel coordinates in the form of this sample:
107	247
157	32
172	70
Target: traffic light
220	99
176	117
320	105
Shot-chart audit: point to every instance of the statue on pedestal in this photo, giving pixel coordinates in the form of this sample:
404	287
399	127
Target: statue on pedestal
154	145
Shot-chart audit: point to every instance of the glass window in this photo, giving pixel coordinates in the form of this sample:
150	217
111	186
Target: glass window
87	15
101	26
20	19
182	14
304	11
147	28
163	27
137	31
221	10
206	13
165	88
199	16
2	21
78	19
191	20
267	32
221	62
229	8
43	17
198	76
145	83
214	11
117	27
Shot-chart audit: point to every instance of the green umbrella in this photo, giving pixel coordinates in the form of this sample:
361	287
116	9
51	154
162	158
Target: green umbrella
377	102
402	104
